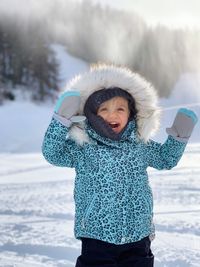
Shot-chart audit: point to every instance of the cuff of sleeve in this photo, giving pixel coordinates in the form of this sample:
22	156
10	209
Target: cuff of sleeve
62	120
181	139
173	133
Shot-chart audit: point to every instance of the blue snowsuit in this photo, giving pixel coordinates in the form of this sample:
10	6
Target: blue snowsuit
113	199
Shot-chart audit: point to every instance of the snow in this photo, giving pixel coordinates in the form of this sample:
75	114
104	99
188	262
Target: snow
69	65
23	123
36	199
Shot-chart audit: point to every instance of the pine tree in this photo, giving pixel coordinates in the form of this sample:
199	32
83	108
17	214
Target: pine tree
26	59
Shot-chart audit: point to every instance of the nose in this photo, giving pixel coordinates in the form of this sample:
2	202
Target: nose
112	115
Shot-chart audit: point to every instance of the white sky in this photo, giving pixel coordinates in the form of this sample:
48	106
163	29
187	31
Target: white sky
174	13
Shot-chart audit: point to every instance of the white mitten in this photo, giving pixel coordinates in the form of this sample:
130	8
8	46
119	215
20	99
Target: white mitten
67	107
183	125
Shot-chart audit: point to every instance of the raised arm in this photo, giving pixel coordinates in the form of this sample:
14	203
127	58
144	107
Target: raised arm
167	156
57	148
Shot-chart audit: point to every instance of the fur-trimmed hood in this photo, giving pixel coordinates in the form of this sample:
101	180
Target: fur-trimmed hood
106	76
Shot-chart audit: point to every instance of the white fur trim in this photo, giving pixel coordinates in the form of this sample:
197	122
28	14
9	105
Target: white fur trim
105	76
78	134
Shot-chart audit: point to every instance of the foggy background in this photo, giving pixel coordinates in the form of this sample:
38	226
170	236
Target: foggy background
93	32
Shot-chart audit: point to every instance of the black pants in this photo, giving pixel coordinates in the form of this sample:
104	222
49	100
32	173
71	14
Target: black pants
96	253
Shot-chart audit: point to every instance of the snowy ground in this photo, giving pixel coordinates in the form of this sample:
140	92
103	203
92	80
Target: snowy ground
37	210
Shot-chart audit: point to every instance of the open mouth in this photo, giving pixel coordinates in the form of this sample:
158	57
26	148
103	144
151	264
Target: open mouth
114	125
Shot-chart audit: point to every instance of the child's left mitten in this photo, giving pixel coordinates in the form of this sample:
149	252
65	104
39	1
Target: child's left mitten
67	107
183	125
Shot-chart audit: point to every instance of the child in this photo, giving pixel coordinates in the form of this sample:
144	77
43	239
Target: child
110	152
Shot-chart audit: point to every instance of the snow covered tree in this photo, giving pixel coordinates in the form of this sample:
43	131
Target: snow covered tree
26	58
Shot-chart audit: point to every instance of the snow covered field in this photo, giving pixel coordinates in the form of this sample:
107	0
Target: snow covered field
36	201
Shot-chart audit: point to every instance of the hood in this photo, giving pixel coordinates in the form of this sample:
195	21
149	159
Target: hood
106	76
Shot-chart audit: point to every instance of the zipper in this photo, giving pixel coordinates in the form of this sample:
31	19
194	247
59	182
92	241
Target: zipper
88	210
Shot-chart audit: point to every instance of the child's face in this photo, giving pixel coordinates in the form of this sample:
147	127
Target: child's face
115	112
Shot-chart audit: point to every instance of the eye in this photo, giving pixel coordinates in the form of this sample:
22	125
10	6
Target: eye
121	109
102	109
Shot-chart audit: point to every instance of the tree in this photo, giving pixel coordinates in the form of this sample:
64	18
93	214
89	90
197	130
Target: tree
26	58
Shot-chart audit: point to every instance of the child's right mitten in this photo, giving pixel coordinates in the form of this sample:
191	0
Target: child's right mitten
183	125
67	107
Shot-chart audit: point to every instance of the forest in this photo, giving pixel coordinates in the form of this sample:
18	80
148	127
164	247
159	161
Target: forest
95	34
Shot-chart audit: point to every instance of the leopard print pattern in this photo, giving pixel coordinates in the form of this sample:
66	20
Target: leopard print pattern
113	198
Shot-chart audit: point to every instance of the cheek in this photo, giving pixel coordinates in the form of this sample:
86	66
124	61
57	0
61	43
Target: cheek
125	118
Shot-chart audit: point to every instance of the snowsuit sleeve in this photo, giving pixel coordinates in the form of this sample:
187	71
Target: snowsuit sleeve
165	156
56	148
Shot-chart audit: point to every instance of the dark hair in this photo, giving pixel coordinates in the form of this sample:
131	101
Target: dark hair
98	97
